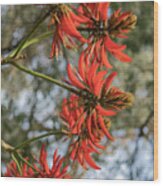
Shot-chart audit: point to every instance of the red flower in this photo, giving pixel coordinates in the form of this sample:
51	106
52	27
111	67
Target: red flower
84	129
97	97
41	171
65	22
90	78
84	116
96	89
99	41
13	171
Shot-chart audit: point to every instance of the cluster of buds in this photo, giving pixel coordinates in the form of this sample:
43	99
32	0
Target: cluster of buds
121	24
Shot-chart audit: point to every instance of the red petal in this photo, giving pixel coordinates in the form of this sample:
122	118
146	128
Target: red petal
116	13
92	147
68	27
78	18
111	45
58	167
121	56
55	159
97	80
104	58
81	66
123	16
81	159
89	129
109	80
99	146
103	9
103	127
74	80
74	151
80	122
91	74
99	88
43	160
105	112
90	161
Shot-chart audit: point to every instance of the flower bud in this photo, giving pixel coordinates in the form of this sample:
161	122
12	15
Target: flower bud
121	23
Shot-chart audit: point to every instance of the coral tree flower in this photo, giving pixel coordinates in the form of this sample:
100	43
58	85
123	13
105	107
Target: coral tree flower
95	86
100	26
84	129
65	22
86	116
40	171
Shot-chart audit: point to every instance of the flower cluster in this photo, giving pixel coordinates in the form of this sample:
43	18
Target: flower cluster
99	41
86	116
93	18
86	113
39	171
64	21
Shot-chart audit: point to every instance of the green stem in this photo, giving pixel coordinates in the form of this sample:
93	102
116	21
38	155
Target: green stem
37	138
17	163
45	77
20	46
26	162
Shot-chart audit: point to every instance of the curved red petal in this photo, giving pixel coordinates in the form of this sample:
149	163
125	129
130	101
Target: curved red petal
104	58
74	80
103	127
121	56
90	161
105	112
109	80
111	45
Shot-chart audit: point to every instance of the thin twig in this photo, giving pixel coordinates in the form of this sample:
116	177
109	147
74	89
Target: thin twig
25	143
45	77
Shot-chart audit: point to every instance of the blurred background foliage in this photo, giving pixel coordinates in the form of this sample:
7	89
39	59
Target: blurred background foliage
30	106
